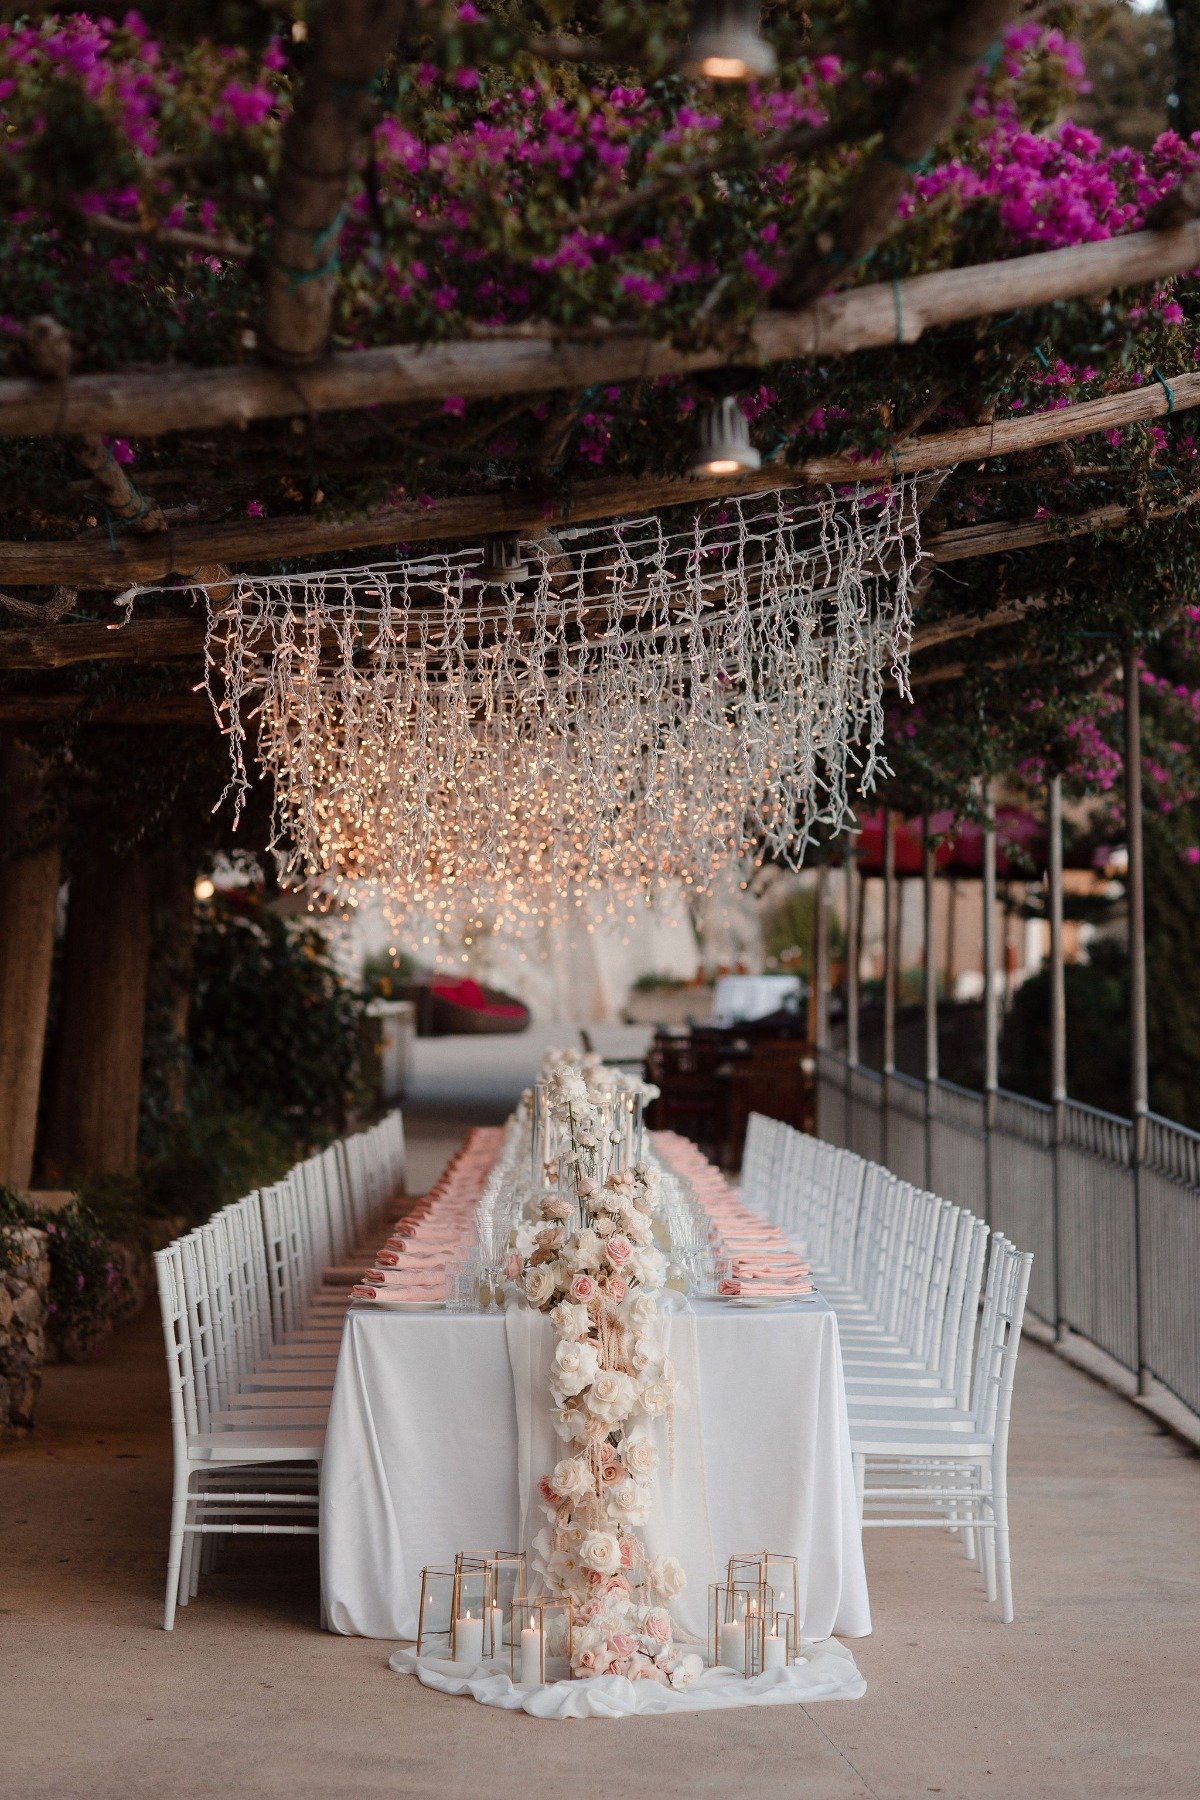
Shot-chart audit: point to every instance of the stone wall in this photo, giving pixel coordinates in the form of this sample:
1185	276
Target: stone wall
24	1281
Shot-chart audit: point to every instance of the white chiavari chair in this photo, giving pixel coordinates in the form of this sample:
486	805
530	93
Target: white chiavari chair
920	1469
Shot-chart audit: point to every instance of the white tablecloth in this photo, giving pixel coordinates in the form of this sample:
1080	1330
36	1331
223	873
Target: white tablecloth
421	1459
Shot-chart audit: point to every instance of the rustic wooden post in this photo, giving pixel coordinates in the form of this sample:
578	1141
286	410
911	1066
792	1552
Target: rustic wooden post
96	1064
29	880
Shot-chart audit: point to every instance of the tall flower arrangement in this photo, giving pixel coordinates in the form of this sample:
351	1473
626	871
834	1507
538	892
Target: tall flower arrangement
591	1262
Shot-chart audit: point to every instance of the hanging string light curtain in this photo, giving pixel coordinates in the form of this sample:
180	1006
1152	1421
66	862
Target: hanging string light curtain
647	706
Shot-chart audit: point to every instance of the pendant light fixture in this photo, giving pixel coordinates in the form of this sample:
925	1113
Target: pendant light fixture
723	446
502	565
726	42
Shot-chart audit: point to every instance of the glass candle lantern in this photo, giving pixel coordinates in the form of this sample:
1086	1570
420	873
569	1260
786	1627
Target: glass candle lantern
541	1636
782	1573
471	1613
779	1572
738	1615
779	1641
436	1616
506	1570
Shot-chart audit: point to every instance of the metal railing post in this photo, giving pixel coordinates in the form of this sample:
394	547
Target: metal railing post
929	996
817	993
991	1014
820	1009
1058	1032
1139	1072
853	902
889	979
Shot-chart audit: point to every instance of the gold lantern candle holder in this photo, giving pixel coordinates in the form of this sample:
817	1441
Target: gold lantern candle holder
739	1612
780	1572
779	1641
435	1620
507	1571
541	1640
471	1610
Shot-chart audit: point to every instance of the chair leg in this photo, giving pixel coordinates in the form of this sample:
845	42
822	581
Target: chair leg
988	1539
174	1556
1003	1555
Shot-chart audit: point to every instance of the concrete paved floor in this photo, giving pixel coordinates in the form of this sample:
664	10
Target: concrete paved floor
1092	1692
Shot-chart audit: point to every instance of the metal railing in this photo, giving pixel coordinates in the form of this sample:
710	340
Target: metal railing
1115	1232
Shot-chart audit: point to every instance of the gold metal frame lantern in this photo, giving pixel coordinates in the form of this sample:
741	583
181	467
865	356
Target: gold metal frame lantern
435	1620
738	1615
541	1632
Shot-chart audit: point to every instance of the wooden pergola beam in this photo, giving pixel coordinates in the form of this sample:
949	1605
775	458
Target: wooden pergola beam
28	710
163	640
95	563
536	360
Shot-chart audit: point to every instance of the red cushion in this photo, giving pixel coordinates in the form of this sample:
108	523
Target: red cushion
463	992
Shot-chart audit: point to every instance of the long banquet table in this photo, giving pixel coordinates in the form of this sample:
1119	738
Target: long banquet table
422	1457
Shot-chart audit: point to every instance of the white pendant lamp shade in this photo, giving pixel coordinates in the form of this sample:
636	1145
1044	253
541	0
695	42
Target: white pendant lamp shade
502	565
726	43
724	446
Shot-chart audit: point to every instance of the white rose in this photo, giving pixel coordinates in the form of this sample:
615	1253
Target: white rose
658	1395
572	1478
570	1424
639	1312
585	1249
611	1396
570	1320
629	1503
646	1355
637	1228
540	1284
646	1268
639	1455
686	1670
601	1551
666	1577
574	1367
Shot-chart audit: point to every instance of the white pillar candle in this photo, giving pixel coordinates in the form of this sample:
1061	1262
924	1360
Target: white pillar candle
733	1645
497	1631
531	1659
774	1651
468	1639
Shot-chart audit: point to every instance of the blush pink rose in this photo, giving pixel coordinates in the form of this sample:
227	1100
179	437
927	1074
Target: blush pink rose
594	1578
618	1250
588	1662
621	1644
649	1673
657	1625
615	1287
626	1554
584	1288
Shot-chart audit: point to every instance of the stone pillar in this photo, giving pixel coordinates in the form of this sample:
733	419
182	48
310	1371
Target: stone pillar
24	1284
